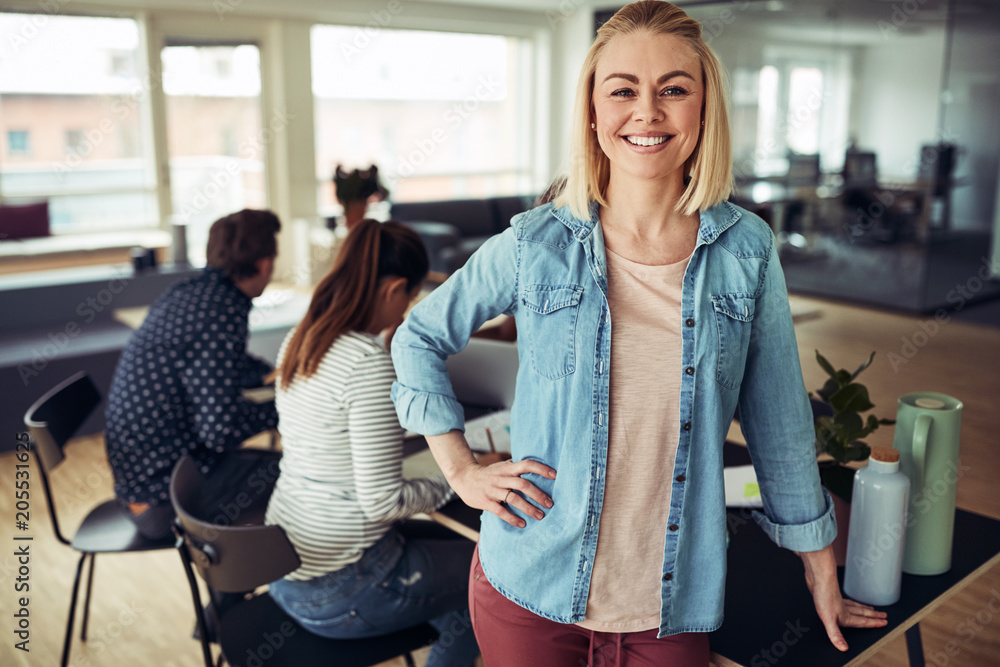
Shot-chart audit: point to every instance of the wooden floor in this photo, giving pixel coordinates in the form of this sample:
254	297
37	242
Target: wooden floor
141	612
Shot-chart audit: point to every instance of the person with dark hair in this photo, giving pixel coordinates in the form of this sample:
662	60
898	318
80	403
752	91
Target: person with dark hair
355	189
177	387
341	488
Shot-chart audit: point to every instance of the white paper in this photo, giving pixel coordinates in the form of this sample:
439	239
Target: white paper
741	487
499	425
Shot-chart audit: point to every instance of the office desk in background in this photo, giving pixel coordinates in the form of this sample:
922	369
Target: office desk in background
769	612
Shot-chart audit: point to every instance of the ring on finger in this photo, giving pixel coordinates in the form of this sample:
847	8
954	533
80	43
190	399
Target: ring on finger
506	495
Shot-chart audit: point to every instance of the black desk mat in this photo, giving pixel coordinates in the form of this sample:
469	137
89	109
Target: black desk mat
769	613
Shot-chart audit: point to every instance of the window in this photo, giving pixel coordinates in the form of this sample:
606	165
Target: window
18	143
122	64
74	142
215	135
89	158
801	107
442	115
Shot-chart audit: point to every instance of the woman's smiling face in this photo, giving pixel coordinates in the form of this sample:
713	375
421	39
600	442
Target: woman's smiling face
646	104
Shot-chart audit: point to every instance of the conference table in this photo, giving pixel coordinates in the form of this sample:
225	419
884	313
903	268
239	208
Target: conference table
769	613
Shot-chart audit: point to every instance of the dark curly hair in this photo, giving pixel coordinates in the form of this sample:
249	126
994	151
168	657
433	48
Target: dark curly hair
238	240
358	185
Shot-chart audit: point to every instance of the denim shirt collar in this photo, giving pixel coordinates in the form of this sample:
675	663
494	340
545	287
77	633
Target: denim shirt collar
714	221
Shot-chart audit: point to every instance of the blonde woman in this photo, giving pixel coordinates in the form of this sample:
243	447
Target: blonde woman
647	309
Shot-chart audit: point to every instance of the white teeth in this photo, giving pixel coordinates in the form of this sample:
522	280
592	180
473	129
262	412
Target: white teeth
646	141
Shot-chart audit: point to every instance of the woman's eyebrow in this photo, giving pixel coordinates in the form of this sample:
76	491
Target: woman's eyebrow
634	79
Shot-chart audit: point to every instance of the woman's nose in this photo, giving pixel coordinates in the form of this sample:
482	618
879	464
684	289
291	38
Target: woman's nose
648	110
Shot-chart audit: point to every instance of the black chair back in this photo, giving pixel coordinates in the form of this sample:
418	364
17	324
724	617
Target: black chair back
52	420
231	559
803	169
55	417
860	169
238	559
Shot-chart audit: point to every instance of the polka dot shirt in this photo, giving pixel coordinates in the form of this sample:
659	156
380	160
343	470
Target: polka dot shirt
177	387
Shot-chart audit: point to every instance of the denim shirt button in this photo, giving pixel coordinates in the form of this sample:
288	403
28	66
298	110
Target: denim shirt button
689	370
680	478
673	527
689	322
668	576
687	426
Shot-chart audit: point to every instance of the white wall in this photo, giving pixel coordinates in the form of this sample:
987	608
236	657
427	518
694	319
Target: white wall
896	99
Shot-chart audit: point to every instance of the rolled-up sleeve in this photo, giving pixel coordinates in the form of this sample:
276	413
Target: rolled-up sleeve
440	326
776	420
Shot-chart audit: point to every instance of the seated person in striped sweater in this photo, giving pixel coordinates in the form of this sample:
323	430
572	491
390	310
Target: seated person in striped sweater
341	489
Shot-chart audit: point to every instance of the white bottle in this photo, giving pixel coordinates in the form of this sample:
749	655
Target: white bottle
876	537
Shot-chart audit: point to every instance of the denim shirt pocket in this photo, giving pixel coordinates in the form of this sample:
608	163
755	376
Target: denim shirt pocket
550	327
734	318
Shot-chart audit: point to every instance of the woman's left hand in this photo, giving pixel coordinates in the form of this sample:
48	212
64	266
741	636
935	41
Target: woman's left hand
833	609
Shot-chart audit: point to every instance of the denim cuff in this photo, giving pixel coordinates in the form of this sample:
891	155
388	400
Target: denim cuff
811	536
427	413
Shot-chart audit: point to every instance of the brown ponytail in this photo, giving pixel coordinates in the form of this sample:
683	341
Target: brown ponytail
345	299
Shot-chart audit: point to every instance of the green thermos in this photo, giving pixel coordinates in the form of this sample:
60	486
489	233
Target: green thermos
928	426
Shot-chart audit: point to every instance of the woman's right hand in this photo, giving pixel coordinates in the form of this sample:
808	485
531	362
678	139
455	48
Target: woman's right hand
491	487
496	486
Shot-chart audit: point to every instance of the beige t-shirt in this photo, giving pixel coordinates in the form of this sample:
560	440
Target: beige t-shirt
645	379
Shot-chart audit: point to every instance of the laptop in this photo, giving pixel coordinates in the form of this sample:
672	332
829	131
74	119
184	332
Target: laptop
484	373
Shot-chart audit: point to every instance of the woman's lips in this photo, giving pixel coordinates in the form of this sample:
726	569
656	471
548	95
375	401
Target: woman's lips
647	144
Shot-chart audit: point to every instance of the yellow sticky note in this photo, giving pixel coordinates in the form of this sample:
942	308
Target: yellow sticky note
751	490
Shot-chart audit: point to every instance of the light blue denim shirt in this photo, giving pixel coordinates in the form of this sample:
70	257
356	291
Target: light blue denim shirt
549	271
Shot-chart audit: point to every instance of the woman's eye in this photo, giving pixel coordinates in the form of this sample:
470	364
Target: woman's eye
624	92
674	91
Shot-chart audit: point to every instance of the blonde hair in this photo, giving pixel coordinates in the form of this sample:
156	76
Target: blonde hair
709	168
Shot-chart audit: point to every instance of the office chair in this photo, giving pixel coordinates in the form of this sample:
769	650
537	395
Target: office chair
860	169
238	559
803	169
52	421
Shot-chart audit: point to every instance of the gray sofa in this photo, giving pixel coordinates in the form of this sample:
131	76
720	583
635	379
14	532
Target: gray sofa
453	229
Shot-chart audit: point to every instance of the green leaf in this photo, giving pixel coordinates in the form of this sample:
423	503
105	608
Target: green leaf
858	451
850	424
863	366
886	422
843	378
829	389
851	398
826	430
825	365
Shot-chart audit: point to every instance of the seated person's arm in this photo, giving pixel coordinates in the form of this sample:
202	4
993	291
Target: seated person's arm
377	449
212	379
253	371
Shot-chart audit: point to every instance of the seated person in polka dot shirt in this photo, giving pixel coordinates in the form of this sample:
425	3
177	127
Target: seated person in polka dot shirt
177	388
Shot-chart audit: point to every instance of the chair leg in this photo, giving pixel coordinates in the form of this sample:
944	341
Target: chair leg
199	612
86	598
72	612
408	657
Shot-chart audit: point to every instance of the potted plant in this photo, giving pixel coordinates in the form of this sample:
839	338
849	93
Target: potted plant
840	427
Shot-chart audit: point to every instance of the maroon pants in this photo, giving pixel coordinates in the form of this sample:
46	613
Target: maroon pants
511	636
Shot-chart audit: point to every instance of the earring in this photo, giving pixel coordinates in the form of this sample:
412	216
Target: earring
594	127
703	123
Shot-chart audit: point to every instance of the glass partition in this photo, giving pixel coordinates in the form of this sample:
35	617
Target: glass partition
865	133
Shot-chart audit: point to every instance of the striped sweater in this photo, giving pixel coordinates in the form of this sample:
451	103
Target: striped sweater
341	485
